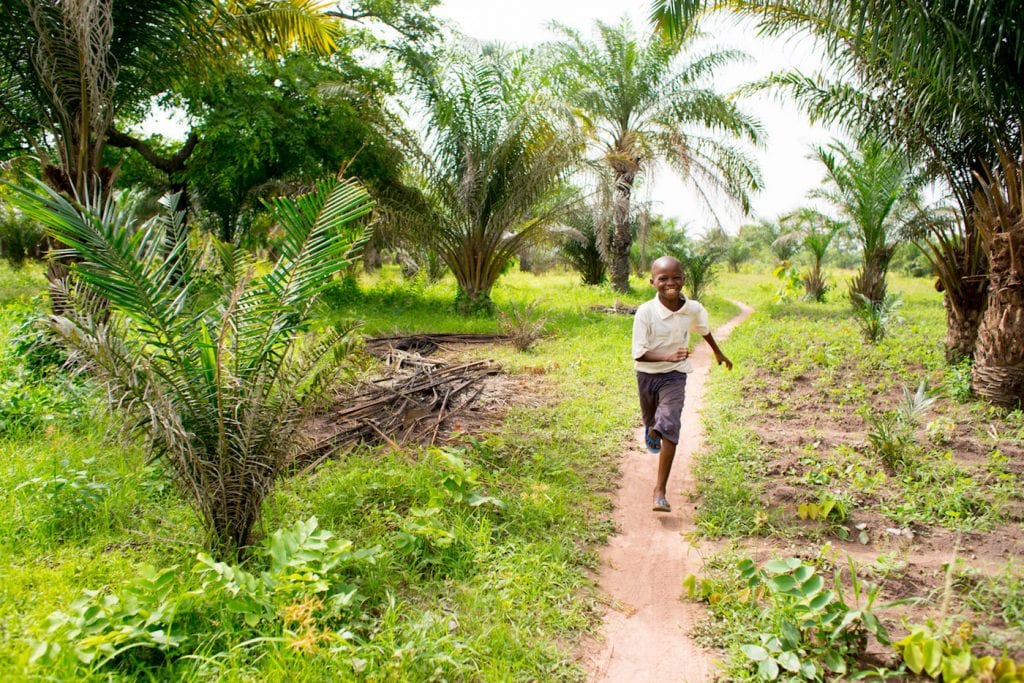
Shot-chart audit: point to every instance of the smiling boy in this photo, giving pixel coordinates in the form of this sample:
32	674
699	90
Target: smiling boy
661	337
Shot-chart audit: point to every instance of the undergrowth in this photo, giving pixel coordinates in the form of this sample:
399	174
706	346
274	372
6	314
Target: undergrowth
467	562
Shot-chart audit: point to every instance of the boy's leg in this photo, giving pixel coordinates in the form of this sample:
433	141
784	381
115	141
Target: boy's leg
665	458
667	420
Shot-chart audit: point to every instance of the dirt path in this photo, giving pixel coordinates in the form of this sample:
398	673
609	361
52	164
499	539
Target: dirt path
646	632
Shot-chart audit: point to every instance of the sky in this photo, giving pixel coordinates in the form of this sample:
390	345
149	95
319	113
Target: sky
787	172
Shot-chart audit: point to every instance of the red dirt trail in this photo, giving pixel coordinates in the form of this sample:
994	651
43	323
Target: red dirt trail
646	631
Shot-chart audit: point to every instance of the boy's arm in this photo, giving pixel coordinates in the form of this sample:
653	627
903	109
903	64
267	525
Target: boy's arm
719	356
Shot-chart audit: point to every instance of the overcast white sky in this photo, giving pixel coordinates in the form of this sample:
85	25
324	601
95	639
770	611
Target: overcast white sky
788	174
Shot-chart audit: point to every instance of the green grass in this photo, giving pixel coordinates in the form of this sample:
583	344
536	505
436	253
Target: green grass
455	592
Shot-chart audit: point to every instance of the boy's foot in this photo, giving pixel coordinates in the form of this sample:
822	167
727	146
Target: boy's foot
661	505
652	441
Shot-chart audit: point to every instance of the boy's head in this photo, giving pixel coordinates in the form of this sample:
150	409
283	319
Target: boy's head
667	277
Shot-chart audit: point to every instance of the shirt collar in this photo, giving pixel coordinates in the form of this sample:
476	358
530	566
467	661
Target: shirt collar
664	312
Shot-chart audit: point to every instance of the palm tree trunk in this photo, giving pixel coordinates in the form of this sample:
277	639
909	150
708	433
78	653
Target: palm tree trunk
870	281
999	212
963	315
999	356
622	239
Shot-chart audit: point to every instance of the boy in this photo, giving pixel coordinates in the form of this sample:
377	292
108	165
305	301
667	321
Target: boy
661	335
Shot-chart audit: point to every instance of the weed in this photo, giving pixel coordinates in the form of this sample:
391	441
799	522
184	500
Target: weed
800	625
949	654
63	505
892	440
875	319
523	324
957	381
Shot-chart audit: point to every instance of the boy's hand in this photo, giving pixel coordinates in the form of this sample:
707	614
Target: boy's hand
681	353
720	357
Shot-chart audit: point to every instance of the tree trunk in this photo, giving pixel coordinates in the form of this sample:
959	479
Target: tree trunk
870	281
998	373
962	320
622	239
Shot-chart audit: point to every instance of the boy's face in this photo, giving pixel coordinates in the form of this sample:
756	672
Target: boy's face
668	280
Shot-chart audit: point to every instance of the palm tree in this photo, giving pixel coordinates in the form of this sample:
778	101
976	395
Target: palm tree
643	104
873	188
941	79
815	232
491	166
586	235
998	372
219	377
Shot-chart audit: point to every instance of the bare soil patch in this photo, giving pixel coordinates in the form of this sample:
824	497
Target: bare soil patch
815	441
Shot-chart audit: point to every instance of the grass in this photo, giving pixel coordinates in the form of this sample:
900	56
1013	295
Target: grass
454	592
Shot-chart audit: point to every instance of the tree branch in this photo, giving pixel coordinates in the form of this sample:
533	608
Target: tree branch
168	164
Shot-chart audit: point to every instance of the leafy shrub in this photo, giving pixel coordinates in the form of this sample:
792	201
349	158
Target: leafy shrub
933	652
20	239
804	627
957	381
34	390
523	324
307	594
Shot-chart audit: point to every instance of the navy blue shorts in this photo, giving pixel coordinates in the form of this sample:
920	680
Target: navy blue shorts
661	402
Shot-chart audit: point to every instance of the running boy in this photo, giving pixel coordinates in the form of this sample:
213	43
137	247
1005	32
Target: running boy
661	337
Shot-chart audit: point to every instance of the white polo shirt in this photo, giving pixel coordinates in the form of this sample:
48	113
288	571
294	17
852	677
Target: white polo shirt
658	329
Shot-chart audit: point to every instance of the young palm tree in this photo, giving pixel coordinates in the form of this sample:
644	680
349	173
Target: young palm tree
645	103
873	188
815	232
585	239
221	380
491	166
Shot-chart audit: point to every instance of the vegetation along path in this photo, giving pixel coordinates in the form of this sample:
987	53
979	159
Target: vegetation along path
647	626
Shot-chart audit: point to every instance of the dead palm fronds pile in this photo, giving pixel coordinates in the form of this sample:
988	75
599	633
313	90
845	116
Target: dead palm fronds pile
415	400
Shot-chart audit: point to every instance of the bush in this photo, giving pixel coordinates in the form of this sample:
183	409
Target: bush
20	239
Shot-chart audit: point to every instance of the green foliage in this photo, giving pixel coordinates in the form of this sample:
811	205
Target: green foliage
789	282
62	504
219	378
269	125
829	510
804	627
34	389
303	594
957	382
20	239
876	318
935	653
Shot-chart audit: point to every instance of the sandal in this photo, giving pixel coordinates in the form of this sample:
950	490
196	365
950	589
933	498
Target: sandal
661	505
652	441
